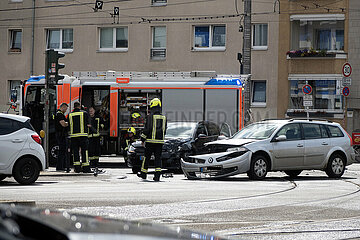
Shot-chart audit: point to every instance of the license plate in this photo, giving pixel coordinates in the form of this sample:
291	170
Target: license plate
210	169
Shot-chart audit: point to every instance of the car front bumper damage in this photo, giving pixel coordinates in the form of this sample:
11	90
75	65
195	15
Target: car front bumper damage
216	165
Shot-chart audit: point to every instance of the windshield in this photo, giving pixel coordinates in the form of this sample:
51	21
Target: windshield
180	130
257	131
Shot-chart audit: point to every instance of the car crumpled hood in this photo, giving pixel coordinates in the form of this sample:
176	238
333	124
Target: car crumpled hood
234	142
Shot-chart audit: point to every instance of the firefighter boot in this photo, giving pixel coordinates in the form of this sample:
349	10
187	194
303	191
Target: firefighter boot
157	176
77	168
141	175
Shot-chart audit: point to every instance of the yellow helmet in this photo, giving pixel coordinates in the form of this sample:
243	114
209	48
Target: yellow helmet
135	115
132	130
155	102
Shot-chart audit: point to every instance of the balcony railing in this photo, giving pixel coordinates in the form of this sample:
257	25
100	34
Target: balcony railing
158	53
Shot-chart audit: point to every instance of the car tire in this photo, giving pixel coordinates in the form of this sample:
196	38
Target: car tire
336	166
2	177
293	173
135	170
26	171
258	167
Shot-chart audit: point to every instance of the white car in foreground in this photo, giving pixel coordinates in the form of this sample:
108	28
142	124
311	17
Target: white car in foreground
21	153
276	145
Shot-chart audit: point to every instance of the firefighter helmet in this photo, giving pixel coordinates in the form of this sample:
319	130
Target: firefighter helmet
155	102
132	130
135	115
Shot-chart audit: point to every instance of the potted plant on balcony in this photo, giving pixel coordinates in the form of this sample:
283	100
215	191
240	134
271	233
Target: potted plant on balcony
309	53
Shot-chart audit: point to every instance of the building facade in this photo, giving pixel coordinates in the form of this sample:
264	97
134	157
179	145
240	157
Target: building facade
148	35
314	47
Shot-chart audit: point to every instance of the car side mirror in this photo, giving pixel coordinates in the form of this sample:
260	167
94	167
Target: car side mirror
280	138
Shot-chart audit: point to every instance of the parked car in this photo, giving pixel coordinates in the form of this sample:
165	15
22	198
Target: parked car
276	145
22	155
181	140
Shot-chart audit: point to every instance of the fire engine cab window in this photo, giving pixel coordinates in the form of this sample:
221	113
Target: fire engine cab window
8	126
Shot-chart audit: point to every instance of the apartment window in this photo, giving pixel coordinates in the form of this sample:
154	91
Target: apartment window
15	40
158	2
114	39
15	1
158	50
324	94
259	92
260	36
319	32
210	37
60	39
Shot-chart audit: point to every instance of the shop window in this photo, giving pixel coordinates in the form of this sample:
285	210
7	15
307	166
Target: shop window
158	2
324	95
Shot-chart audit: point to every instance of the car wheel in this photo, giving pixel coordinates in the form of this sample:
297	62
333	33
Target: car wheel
336	166
258	167
135	170
26	171
2	177
293	173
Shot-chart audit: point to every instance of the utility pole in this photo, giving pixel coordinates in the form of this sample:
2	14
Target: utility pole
247	58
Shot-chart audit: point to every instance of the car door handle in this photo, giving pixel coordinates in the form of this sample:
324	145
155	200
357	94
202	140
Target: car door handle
300	145
17	140
324	143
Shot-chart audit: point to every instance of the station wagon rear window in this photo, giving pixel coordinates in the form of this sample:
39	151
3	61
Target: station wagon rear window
335	131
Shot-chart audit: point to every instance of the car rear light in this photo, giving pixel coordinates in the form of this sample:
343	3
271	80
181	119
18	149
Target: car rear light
36	138
351	140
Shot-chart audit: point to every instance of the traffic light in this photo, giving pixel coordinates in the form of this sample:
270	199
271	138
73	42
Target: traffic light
52	67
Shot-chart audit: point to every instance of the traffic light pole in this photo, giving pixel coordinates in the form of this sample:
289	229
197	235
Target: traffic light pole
52	77
47	106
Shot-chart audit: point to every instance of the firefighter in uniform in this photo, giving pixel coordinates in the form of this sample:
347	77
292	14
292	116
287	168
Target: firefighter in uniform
153	135
61	125
94	138
79	123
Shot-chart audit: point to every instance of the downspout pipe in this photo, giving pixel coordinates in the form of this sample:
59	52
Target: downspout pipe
32	39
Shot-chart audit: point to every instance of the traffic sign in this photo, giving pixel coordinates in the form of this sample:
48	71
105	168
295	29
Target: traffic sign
307	103
346	81
346	70
307	97
346	91
307	89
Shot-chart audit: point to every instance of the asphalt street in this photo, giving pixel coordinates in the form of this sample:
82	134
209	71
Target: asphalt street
309	207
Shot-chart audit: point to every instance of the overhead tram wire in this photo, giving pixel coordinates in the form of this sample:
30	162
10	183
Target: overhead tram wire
132	8
91	3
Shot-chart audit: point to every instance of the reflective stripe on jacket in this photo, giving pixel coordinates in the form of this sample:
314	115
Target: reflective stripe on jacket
95	127
78	123
155	129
